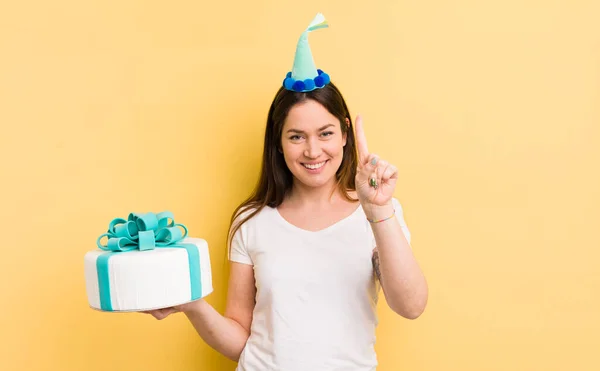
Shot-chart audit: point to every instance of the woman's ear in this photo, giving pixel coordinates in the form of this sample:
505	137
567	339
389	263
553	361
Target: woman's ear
345	133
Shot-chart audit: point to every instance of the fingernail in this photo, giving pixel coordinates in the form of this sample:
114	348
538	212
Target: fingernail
374	161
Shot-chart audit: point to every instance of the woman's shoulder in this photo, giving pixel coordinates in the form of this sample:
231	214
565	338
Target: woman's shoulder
251	214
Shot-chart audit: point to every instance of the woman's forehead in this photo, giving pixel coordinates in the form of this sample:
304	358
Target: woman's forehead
309	115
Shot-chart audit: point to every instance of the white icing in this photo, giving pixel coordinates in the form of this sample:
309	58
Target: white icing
151	279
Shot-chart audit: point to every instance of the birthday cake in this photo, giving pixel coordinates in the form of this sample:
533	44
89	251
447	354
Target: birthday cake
147	263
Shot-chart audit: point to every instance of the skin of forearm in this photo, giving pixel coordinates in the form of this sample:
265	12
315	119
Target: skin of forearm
401	278
223	334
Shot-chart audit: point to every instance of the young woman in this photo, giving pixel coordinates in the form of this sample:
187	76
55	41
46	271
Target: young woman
312	246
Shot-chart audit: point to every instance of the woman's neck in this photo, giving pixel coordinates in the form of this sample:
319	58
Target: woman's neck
314	197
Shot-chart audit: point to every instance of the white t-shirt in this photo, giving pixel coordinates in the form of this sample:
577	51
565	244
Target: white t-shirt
316	293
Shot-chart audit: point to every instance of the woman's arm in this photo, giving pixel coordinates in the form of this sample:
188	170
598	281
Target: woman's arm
227	333
403	283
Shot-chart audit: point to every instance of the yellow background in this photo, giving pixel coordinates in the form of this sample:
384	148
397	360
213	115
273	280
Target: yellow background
490	109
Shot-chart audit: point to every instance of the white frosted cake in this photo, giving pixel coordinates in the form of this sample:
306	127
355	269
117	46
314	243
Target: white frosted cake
146	265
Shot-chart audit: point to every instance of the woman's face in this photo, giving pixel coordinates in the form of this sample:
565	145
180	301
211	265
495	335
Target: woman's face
312	144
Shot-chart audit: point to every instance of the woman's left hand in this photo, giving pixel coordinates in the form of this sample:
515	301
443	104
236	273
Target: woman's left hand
375	178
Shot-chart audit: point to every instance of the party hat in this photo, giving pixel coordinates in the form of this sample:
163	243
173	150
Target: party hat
304	75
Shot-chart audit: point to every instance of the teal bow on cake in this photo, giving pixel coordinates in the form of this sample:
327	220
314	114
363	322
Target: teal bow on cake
142	231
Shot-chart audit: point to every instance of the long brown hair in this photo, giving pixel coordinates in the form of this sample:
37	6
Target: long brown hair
275	178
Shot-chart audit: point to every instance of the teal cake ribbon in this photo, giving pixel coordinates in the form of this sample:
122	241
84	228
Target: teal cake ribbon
144	231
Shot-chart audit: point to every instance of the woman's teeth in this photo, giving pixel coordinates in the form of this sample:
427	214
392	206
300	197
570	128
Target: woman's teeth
315	166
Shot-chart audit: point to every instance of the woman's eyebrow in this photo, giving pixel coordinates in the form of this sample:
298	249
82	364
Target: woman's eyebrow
301	132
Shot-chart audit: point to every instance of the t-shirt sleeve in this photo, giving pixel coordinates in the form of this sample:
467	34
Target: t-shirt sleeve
239	245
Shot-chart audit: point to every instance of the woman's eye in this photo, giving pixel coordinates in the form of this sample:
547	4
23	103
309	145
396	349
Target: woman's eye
328	133
295	137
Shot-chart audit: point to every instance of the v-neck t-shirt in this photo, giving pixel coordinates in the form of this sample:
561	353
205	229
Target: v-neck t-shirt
316	293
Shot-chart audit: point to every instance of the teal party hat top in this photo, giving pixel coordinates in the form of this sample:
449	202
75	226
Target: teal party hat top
304	75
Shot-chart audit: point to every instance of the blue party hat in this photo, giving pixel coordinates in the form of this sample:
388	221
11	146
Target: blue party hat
304	75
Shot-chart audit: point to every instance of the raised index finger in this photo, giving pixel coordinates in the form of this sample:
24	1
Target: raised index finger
361	141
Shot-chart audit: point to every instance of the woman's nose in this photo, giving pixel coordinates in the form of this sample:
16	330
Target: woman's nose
313	149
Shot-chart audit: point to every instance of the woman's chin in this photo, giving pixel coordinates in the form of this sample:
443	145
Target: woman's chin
316	181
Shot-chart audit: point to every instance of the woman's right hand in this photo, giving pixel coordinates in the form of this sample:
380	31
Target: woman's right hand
163	313
228	333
